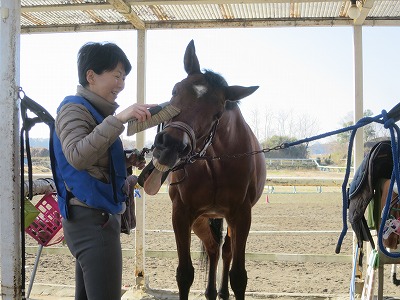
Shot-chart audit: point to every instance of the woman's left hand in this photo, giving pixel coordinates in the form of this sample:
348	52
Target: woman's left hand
136	160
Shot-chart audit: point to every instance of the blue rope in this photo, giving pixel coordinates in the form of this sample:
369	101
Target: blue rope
388	123
344	191
362	122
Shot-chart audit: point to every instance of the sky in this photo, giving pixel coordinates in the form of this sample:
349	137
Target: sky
301	71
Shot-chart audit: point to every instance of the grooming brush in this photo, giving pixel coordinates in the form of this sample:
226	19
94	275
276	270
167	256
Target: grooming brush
159	114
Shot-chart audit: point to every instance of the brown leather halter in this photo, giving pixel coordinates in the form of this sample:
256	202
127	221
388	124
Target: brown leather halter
193	155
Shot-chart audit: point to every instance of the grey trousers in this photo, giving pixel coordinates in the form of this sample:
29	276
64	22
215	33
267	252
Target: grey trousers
93	237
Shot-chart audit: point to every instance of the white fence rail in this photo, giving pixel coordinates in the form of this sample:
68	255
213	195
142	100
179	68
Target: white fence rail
41	186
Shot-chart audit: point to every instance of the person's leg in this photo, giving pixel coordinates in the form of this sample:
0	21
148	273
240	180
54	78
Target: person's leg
93	237
102	263
80	291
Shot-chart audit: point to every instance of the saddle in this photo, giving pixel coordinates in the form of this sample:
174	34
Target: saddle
377	164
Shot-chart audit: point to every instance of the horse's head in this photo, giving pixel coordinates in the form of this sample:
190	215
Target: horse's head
201	98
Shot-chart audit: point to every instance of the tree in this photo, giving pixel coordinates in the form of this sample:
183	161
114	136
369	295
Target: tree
299	151
370	132
283	123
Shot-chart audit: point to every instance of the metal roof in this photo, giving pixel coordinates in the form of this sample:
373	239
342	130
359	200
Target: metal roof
88	15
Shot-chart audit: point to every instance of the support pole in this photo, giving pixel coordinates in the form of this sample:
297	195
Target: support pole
358	114
140	139
10	228
358	94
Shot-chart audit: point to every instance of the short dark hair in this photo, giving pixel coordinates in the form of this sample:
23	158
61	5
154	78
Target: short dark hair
100	57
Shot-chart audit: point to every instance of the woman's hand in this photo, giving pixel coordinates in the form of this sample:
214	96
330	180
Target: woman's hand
136	160
135	111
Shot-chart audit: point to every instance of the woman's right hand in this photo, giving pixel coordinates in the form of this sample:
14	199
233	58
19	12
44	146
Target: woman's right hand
135	111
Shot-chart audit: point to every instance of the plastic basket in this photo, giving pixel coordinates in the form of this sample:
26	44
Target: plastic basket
46	229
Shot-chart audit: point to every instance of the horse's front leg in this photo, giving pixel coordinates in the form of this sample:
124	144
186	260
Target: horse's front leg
185	272
240	226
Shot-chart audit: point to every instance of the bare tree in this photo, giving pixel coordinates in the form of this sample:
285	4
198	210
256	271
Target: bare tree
306	126
268	124
254	122
285	123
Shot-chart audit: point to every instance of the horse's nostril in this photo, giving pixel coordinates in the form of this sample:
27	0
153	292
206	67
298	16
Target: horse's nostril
159	139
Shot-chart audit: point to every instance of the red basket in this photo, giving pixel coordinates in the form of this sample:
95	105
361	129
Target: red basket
46	229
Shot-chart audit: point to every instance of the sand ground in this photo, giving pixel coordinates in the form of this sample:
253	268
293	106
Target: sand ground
293	223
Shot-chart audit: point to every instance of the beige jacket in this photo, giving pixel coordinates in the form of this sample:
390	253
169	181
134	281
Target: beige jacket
84	143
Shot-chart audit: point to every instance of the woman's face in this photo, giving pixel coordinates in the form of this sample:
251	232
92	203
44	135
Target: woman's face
107	84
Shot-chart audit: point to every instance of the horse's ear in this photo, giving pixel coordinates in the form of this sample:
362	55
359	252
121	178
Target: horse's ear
190	60
237	92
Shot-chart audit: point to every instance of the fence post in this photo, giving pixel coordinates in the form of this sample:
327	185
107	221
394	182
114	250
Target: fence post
140	138
10	229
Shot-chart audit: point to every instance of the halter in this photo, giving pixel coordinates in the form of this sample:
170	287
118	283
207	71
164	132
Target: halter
193	155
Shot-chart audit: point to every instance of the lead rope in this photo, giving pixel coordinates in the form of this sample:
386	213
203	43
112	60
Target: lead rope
388	119
389	124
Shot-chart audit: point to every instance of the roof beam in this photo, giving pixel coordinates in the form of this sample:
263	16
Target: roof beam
200	24
125	9
365	8
191	2
190	25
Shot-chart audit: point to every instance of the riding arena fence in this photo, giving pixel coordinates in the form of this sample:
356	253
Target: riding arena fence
46	185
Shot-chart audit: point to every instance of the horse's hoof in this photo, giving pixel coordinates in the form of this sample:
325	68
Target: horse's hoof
223	295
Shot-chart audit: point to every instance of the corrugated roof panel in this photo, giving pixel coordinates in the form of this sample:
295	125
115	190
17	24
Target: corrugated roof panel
41	2
385	9
71	17
110	15
144	12
58	2
67	17
192	12
259	10
182	14
207	12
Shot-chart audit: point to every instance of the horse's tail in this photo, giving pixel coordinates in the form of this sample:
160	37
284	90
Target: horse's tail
216	227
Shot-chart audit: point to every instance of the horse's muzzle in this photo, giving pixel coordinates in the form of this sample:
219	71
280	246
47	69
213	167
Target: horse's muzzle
171	146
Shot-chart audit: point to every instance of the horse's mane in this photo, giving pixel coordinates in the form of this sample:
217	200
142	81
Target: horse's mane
217	80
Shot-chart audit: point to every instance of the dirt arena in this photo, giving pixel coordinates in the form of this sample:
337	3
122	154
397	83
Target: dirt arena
283	210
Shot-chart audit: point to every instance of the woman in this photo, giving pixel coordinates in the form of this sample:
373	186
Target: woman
89	169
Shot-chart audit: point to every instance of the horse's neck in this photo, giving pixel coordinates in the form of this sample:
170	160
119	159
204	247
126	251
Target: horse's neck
232	130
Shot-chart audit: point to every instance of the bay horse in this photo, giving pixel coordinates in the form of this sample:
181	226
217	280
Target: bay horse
216	169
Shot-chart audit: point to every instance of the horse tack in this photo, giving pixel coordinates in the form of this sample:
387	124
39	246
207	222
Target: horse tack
193	154
186	128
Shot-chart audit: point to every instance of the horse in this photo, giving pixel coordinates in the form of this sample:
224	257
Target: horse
216	170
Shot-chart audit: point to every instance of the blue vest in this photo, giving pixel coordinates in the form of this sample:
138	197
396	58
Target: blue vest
93	192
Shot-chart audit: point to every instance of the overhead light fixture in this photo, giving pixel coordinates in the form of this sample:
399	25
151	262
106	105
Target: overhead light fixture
354	12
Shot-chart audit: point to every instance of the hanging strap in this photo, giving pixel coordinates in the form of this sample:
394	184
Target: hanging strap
42	116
